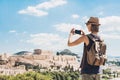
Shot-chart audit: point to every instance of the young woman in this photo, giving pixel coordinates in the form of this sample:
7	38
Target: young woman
88	72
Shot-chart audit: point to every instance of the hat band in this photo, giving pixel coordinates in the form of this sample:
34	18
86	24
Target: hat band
92	22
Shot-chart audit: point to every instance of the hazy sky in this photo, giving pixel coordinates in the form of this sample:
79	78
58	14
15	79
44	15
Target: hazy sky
45	24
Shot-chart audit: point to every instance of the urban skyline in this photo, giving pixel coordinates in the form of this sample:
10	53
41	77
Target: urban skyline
45	24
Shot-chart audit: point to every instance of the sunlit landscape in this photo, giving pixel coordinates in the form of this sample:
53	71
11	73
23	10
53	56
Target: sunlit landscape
34	38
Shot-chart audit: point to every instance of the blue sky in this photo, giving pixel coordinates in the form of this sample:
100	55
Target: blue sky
45	24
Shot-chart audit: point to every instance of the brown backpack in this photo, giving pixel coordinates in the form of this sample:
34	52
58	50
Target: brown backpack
96	56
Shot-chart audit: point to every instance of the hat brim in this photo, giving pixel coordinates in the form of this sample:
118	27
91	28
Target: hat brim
93	23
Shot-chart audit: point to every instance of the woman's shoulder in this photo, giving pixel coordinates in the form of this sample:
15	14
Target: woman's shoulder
86	39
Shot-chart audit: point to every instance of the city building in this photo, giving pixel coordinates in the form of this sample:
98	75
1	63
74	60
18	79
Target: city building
42	58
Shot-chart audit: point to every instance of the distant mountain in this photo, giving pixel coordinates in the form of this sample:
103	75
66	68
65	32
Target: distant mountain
67	52
23	53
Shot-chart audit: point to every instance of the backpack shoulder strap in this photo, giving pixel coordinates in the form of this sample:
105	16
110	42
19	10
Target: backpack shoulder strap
91	37
95	39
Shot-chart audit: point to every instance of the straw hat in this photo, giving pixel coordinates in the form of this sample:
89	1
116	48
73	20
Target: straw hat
93	20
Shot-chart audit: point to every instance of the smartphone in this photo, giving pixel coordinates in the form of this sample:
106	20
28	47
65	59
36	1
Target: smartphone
77	31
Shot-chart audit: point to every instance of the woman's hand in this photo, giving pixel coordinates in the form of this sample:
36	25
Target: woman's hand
72	32
82	32
77	41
